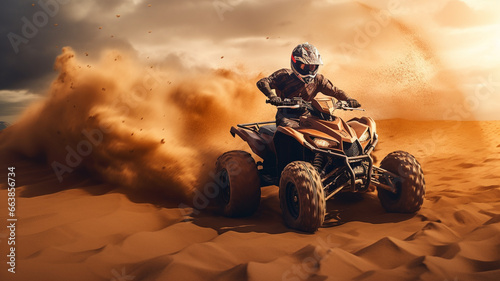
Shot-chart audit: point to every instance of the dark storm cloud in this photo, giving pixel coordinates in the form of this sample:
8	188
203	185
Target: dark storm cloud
32	36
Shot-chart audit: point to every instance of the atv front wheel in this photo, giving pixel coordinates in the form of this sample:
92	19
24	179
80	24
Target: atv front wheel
239	193
302	199
410	185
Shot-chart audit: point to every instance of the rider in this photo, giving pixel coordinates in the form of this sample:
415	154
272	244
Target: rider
302	81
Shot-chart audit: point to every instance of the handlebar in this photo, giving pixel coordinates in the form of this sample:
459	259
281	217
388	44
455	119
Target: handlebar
301	103
285	102
291	104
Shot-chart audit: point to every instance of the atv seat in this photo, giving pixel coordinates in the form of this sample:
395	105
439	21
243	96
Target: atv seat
268	130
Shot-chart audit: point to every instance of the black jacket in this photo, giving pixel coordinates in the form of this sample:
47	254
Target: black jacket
287	85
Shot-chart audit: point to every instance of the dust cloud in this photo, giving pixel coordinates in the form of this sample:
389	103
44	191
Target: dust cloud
131	124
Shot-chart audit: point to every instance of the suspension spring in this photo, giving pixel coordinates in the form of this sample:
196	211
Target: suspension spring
319	161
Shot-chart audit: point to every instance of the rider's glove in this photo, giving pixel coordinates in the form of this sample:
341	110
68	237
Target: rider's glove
275	100
353	103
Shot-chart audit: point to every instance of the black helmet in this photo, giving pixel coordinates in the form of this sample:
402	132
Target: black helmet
305	62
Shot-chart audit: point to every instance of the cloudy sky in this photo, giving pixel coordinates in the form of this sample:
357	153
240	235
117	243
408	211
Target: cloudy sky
459	39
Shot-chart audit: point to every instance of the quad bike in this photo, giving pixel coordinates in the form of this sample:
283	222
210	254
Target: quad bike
323	156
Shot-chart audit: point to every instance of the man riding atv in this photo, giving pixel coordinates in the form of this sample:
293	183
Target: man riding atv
301	81
312	154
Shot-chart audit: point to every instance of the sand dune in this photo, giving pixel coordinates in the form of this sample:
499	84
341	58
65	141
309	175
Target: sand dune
86	230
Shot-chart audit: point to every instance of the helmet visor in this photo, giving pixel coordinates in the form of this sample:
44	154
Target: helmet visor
307	69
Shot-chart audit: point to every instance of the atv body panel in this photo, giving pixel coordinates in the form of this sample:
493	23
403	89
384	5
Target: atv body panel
258	137
279	146
325	155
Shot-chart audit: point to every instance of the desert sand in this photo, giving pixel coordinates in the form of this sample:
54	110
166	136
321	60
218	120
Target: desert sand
84	229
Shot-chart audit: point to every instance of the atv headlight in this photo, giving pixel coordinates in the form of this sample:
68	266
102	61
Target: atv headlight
324	143
365	136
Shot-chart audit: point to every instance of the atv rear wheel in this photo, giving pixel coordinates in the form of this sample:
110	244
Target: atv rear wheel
239	193
302	199
410	186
